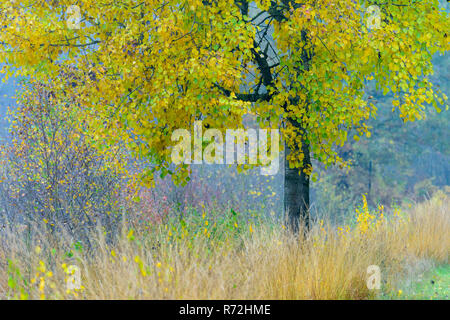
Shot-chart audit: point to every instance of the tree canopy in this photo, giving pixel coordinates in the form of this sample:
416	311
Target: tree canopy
138	70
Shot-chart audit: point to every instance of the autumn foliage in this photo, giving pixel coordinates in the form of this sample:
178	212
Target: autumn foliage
142	69
51	174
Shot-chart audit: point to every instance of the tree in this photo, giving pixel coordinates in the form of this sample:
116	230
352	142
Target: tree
51	174
142	69
399	164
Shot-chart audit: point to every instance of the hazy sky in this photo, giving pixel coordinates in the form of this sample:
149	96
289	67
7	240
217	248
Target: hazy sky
7	90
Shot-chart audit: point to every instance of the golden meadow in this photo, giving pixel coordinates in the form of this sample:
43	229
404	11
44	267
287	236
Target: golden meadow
226	256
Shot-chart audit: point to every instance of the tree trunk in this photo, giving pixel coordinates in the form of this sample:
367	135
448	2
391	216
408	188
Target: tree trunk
296	189
296	181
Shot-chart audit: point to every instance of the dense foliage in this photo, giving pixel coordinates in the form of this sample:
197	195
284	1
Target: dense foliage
141	69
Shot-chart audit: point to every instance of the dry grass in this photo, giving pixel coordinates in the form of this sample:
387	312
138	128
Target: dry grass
267	263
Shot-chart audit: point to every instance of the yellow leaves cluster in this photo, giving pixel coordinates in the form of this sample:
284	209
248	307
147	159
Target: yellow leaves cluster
143	71
366	220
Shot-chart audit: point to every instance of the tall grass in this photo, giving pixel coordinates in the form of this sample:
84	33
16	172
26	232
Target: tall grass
225	256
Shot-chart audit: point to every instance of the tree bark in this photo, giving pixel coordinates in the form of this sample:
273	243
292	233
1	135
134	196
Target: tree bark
296	181
296	189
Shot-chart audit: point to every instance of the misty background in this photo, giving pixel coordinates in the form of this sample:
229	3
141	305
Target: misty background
401	163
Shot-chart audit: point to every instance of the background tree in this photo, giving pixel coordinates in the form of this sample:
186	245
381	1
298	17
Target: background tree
399	163
145	68
51	175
